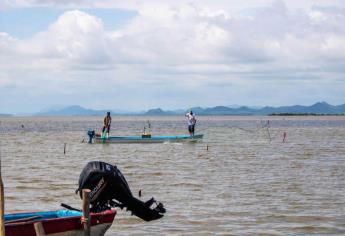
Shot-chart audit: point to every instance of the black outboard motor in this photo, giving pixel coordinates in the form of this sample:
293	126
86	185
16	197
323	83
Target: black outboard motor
91	134
109	188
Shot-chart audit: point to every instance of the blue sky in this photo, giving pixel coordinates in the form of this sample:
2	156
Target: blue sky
174	54
25	22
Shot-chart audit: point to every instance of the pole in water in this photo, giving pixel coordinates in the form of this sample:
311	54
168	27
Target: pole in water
269	135
64	148
268	131
86	212
284	136
207	147
2	205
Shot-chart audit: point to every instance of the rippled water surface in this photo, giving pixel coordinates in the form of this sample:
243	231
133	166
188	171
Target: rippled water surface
242	179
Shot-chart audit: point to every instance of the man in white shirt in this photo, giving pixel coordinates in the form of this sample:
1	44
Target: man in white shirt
191	122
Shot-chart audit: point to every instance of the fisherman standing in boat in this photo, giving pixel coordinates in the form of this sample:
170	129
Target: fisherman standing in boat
106	126
191	122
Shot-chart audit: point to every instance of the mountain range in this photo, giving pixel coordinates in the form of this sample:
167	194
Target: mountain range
317	108
5	115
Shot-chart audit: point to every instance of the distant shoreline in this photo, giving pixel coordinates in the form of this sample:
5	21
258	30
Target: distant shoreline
177	115
317	109
305	114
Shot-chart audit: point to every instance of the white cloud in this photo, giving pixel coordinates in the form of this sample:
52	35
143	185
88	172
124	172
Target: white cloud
75	37
197	44
189	33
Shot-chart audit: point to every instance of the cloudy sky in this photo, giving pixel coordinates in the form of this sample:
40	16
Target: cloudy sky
136	55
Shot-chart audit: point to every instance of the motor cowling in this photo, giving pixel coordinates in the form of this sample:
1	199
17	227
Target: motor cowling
91	134
109	188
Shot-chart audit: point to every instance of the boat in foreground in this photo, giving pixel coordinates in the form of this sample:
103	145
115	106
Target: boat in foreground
146	139
57	223
108	189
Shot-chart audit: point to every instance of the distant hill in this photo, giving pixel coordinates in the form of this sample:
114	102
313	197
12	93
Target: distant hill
156	111
5	115
318	108
72	111
76	110
160	112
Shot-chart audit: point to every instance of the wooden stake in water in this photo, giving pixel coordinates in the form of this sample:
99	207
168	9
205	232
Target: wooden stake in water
86	212
64	148
268	131
2	205
284	136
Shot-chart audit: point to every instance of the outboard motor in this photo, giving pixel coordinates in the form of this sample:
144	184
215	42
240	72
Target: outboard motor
109	188
91	134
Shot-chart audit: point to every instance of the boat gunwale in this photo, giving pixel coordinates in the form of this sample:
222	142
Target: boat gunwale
157	137
51	225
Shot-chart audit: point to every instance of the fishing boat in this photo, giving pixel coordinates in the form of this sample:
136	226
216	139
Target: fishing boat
58	223
107	188
144	138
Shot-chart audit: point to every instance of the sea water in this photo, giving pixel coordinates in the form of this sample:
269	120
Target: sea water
242	179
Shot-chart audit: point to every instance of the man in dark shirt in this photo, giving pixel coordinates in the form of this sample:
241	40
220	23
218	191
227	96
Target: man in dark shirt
107	123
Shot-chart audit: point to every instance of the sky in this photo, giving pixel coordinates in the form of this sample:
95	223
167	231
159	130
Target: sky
137	55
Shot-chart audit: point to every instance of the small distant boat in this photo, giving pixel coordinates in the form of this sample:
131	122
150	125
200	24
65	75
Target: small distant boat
145	138
57	223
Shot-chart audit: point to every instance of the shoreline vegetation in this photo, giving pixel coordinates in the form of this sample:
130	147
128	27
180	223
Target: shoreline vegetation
317	109
305	114
143	115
